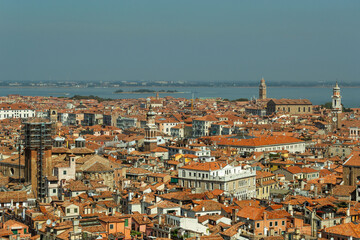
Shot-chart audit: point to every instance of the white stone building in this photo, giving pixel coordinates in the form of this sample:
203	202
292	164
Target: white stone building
16	110
238	181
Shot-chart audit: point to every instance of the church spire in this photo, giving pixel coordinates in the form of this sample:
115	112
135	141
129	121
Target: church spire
336	99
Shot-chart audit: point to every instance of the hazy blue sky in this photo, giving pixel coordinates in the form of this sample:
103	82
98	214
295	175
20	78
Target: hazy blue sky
236	40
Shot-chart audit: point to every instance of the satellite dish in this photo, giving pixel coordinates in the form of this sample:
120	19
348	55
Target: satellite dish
334	119
48	222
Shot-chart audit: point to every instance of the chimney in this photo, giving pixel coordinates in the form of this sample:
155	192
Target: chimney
72	163
234	211
302	183
290	210
76	226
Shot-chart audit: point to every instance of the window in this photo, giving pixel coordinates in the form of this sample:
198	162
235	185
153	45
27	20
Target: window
75	210
283	223
68	210
271	224
64	172
276	223
54	190
257	225
111	226
126	222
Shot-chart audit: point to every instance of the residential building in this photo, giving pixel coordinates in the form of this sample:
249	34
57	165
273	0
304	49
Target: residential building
201	125
239	181
16	110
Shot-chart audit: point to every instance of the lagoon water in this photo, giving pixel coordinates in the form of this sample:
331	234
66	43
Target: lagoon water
317	95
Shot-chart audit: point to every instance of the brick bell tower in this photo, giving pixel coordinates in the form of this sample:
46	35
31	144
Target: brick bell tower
150	141
262	89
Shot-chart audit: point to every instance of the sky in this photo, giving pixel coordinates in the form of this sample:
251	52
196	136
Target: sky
197	40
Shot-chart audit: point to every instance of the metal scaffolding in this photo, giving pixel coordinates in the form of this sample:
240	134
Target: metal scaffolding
37	136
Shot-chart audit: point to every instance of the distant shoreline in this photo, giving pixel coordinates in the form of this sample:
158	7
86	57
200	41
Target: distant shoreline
329	87
147	92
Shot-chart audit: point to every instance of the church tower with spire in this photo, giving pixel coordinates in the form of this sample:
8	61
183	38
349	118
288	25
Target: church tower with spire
262	89
336	107
150	141
336	100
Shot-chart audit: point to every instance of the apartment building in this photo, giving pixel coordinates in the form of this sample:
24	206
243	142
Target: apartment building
15	110
260	144
201	125
238	181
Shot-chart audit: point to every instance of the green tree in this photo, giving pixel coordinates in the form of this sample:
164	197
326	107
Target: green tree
327	105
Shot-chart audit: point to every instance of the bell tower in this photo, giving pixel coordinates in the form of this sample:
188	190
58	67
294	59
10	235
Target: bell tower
336	107
336	100
150	141
262	89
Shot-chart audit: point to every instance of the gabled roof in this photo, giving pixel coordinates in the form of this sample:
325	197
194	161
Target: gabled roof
206	166
284	101
353	160
348	229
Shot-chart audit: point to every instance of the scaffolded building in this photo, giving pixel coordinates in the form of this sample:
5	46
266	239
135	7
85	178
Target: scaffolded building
37	141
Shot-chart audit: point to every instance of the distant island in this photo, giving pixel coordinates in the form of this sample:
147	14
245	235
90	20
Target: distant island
115	84
147	91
